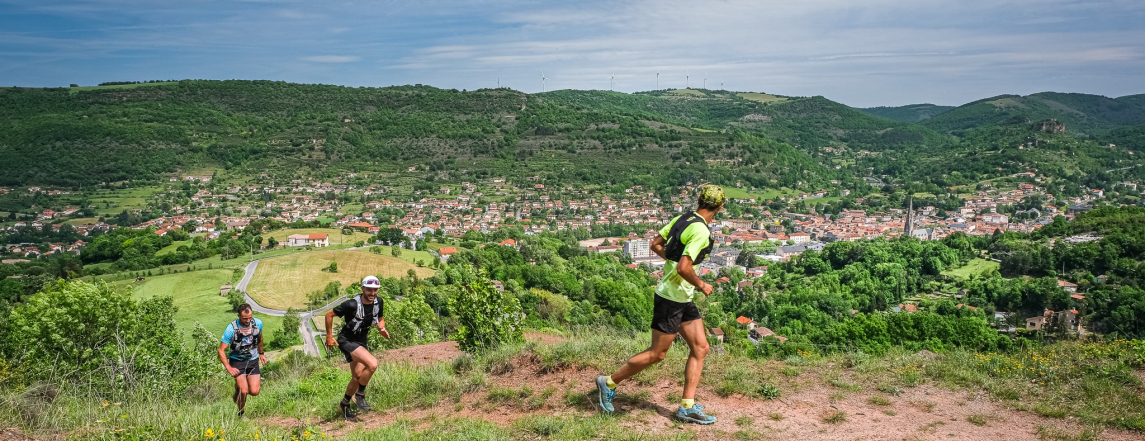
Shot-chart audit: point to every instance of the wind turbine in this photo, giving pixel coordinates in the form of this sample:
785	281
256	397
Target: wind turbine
687	79
657	80
543	81
611	81
705	80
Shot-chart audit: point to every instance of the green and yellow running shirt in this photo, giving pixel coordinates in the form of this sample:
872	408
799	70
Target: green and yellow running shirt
695	238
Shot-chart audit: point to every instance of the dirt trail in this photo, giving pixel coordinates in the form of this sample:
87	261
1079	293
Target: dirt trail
919	413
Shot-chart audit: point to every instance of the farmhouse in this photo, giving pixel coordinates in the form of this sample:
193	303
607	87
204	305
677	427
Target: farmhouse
316	239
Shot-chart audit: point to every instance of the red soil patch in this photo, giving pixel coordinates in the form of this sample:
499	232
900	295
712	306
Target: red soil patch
423	355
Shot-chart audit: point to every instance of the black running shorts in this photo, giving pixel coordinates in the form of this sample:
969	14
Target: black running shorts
347	346
668	315
248	367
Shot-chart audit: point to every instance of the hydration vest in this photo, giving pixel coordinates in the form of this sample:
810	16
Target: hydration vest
355	323
674	247
237	342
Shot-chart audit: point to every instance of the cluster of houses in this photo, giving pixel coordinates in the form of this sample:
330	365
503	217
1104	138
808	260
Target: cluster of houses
755	332
532	206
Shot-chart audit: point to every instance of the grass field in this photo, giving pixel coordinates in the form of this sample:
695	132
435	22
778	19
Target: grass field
197	296
217	262
739	193
171	248
761	97
412	256
75	90
335	235
284	282
975	266
120	200
82	221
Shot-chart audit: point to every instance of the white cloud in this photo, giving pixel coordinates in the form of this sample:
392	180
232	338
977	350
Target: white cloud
331	59
875	52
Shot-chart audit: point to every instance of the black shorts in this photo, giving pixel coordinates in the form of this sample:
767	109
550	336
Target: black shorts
249	367
668	315
347	346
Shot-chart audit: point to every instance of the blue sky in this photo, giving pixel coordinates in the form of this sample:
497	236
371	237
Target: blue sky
861	53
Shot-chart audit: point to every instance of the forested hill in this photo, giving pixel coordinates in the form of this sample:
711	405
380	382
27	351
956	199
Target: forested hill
909	113
1082	114
808	123
90	135
84	136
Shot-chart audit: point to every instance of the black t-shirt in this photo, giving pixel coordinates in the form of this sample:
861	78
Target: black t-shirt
348	311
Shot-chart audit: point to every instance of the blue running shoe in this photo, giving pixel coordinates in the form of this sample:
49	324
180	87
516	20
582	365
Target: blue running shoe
694	415
606	395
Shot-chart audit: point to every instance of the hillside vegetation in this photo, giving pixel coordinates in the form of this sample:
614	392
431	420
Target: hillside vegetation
1082	114
909	113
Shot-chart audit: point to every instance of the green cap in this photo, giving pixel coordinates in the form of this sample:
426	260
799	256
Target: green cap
711	195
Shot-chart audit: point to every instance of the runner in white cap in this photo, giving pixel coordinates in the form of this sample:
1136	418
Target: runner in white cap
359	314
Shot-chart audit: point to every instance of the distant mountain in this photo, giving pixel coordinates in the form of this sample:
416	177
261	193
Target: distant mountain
1082	114
909	113
1134	100
807	123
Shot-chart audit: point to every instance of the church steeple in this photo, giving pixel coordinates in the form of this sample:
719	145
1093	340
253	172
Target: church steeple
908	228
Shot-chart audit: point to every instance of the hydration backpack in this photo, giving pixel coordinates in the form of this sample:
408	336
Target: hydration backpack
237	345
360	315
674	247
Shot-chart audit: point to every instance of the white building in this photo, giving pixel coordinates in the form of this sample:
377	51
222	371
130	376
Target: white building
637	249
300	240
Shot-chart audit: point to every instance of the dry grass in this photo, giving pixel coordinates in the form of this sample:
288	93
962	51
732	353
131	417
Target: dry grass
283	282
761	97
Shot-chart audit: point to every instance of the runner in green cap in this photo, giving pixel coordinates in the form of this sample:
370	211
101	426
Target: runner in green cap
683	243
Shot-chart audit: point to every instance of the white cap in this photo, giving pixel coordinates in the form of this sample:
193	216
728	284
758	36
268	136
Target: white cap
371	282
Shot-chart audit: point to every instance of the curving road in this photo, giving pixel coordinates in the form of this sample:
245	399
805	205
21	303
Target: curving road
309	335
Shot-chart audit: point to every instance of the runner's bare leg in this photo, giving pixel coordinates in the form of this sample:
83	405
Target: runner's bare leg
655	353
693	333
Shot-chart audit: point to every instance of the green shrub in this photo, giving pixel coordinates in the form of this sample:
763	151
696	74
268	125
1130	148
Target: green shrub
487	317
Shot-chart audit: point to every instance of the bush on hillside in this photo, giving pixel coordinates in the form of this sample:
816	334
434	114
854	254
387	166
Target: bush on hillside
288	335
98	338
486	317
410	321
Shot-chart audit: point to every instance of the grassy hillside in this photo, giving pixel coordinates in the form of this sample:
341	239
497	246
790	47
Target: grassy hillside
910	113
283	282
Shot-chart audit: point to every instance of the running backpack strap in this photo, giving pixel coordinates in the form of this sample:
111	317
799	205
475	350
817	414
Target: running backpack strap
236	338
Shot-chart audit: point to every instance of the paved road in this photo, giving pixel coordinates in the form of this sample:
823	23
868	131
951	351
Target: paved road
309	335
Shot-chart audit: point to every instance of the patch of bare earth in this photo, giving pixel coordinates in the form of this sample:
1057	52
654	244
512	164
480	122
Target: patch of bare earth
814	412
13	434
423	355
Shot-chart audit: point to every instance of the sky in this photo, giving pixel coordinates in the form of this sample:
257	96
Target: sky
861	53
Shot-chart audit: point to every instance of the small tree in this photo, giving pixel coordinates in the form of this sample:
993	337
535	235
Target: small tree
333	268
236	298
289	334
271	242
487	317
396	251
